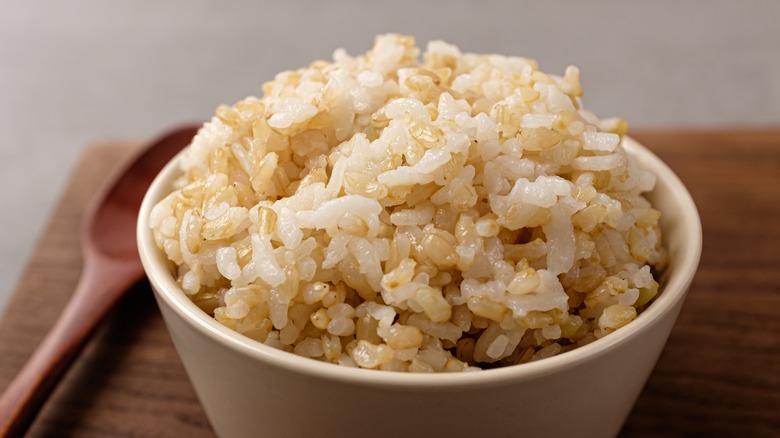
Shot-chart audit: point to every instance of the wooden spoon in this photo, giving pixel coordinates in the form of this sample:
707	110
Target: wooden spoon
111	265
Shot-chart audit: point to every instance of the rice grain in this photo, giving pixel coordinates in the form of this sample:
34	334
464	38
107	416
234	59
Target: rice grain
400	212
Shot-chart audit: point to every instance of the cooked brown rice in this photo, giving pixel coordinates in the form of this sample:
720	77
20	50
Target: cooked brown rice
382	212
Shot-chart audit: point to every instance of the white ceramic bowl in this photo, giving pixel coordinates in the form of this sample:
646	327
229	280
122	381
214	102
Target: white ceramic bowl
250	389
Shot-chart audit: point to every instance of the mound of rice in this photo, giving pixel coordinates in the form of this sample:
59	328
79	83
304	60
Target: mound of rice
453	214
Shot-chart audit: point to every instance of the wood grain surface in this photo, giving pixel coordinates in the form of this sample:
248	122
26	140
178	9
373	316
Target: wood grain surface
719	374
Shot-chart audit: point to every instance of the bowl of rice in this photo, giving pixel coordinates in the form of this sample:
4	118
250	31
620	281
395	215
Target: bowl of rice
418	244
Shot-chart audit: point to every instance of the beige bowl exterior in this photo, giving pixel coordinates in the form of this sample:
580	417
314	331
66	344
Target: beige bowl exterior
251	390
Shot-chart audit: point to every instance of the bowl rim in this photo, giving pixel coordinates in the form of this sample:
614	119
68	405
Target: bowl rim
164	286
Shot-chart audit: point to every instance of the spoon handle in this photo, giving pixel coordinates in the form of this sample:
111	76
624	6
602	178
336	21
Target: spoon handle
29	390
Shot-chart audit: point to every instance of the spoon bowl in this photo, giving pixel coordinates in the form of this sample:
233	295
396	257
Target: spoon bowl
111	265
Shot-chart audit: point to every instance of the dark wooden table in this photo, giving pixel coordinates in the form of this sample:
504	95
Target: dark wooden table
719	374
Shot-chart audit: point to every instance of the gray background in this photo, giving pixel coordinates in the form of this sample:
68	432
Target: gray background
76	72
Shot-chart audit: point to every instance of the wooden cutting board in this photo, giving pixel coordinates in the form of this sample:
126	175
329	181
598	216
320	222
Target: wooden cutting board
719	373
